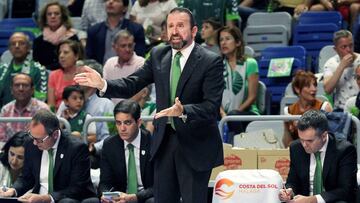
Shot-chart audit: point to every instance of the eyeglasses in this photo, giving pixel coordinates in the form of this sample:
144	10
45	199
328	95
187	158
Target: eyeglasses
357	77
24	86
126	122
18	44
38	140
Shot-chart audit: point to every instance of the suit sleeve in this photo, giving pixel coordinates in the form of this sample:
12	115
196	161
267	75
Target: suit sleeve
144	194
90	45
79	175
293	178
106	175
346	178
212	87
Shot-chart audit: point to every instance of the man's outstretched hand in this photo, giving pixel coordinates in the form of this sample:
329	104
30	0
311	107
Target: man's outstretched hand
175	110
89	77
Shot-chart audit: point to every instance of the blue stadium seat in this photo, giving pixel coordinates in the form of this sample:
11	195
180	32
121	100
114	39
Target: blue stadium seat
321	17
17	22
314	31
276	86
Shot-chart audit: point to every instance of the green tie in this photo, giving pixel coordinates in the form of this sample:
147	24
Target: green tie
175	76
51	175
132	177
318	186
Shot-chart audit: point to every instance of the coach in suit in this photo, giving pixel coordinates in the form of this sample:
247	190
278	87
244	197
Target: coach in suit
114	168
322	169
100	36
56	166
186	142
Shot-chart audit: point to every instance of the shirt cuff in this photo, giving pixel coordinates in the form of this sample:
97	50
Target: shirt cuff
319	199
103	90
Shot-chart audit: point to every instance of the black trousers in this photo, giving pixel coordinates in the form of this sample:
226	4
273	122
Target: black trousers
174	178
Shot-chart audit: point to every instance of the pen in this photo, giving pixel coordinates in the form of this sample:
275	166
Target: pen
285	189
111	189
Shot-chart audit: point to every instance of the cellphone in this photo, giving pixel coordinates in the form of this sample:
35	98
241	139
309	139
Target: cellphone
110	195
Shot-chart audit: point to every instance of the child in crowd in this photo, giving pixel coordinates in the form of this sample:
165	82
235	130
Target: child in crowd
73	97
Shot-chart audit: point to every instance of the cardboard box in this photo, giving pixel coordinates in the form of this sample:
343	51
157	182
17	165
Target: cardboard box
236	158
277	159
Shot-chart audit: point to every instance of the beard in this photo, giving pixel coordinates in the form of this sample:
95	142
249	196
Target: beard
178	45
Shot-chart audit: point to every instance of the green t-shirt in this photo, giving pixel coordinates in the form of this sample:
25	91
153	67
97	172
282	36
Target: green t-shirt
236	85
36	71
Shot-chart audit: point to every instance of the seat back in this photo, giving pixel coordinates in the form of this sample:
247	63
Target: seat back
275	18
276	125
276	85
261	37
321	17
249	51
325	53
261	97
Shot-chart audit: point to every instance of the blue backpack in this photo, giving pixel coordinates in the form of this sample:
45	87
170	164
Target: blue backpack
340	124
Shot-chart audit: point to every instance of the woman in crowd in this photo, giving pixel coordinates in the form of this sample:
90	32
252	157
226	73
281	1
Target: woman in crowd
304	85
12	158
150	14
241	78
69	52
55	23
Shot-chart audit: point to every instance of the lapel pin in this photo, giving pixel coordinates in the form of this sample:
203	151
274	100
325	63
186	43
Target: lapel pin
61	156
143	152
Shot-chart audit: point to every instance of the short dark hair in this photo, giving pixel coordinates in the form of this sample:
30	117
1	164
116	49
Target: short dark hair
313	119
25	74
70	89
129	107
19	139
215	23
184	10
47	119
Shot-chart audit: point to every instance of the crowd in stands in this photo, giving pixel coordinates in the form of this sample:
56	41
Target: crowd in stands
120	36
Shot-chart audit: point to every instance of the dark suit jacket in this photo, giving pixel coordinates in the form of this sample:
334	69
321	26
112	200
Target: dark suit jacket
339	171
200	91
113	166
71	170
95	43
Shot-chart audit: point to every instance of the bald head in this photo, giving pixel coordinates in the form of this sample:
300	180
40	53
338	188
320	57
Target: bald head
19	46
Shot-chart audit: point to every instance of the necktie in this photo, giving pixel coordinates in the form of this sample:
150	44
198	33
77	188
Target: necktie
51	167
132	177
175	76
318	186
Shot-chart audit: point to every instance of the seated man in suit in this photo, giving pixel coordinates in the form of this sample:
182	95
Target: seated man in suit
56	166
322	168
125	164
